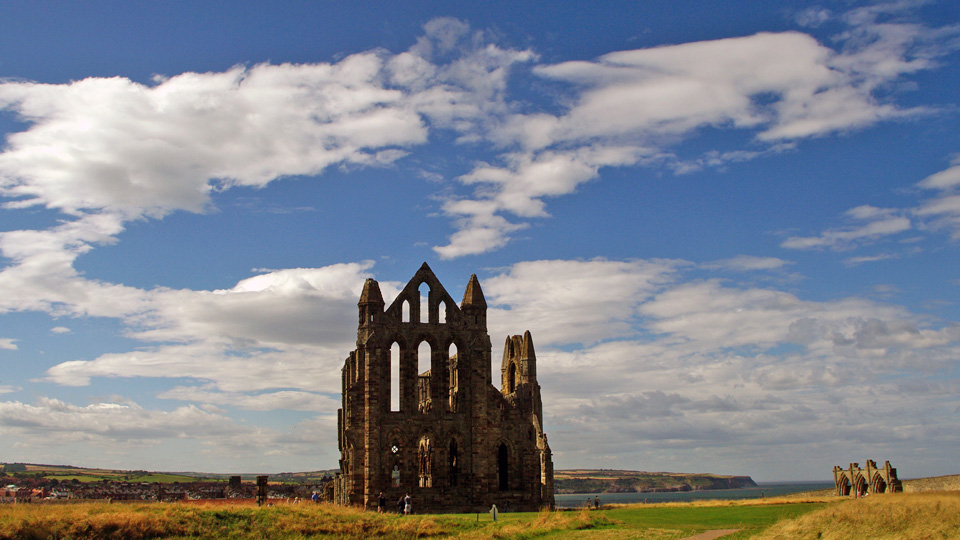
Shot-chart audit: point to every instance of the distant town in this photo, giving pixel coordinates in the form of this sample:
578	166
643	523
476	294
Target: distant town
25	482
21	482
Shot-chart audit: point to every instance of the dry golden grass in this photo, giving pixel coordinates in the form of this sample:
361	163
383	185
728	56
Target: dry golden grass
166	520
194	521
896	516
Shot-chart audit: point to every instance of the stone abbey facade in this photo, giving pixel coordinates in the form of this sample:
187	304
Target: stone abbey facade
858	481
420	414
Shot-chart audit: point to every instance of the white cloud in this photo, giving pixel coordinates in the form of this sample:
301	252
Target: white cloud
60	330
944	208
231	369
747	369
711	317
42	276
303	306
747	263
940	212
947	179
184	438
880	222
573	301
854	261
672	90
119	146
285	329
267	401
112	421
9	344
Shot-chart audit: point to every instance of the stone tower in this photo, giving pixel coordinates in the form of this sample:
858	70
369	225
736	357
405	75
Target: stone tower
421	416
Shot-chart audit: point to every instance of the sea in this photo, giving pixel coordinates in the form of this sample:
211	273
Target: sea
766	489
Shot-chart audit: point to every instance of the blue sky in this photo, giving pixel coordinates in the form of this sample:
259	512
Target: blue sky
731	230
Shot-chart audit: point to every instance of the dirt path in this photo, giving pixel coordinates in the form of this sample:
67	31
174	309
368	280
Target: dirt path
711	535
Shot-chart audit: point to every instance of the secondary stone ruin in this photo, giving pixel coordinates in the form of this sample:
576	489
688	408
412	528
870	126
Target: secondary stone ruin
420	415
860	481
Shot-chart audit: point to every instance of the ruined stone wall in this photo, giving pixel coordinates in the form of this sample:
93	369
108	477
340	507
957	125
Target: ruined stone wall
857	481
454	442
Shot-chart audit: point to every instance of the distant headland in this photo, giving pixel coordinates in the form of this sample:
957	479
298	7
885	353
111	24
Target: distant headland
619	481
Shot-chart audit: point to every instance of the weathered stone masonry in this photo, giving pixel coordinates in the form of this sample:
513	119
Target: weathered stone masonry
452	440
858	481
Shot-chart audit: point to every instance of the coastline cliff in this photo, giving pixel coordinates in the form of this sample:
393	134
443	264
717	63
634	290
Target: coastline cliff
617	481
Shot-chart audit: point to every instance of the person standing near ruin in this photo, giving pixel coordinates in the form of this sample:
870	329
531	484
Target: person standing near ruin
408	505
381	503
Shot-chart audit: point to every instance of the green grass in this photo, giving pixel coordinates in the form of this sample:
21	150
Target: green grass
690	519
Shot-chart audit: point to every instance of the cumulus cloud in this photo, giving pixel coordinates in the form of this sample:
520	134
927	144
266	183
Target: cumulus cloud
9	344
285	329
116	145
707	315
573	301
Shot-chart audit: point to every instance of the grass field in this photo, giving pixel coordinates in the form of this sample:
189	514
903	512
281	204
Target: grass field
934	515
186	521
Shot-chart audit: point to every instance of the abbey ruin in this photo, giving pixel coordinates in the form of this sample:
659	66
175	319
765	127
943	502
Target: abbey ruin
859	481
420	414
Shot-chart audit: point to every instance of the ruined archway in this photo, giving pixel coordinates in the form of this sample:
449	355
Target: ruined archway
843	487
878	485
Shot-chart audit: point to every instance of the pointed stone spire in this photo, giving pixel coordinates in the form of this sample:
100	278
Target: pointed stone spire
527	351
371	303
371	292
473	296
529	357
